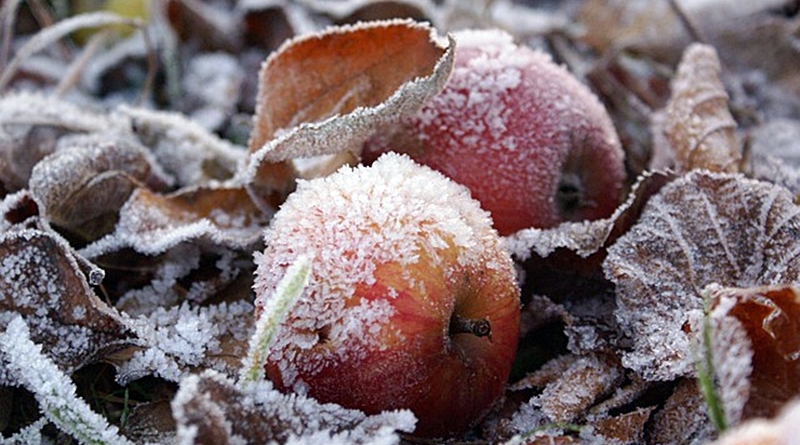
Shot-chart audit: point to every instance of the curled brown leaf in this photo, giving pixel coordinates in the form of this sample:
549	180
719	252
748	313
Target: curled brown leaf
325	94
42	280
699	125
82	187
770	318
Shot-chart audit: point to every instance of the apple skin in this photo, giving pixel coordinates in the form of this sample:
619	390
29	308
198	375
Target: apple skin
398	249
533	144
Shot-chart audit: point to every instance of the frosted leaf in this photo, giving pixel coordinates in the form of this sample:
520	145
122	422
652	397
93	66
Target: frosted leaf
579	387
212	84
700	229
585	238
41	280
183	148
81	187
52	388
31	126
699	125
682	419
624	429
18	208
327	93
757	363
183	339
151	223
210	406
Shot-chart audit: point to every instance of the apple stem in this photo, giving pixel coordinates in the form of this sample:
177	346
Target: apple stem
479	328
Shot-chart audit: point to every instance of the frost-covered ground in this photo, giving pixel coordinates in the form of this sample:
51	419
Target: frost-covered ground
142	155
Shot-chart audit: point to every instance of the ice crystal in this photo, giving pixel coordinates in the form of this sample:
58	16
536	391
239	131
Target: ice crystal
53	389
210	406
701	229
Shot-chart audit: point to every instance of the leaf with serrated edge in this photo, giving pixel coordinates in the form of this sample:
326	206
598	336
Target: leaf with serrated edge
700	229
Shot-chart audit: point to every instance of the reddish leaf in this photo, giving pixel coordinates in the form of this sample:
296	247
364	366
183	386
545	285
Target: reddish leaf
771	319
327	93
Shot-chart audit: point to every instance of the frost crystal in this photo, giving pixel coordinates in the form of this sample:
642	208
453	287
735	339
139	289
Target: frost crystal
350	223
54	391
701	229
210	406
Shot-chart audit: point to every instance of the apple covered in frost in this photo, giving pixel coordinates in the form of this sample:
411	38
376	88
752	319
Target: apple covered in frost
411	303
533	144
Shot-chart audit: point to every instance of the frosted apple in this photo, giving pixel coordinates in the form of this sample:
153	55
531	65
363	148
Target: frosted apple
412	303
532	143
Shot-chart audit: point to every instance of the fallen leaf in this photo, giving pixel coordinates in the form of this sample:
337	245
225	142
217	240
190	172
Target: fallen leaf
682	419
30	127
702	228
770	317
699	125
151	224
210	408
325	94
82	186
42	280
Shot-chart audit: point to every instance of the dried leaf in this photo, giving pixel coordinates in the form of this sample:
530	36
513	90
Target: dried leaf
31	126
183	148
700	229
327	93
82	187
682	419
41	280
625	429
152	224
579	387
770	370
699	125
210	409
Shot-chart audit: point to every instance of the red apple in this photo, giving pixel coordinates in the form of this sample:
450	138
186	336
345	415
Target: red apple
531	142
412	302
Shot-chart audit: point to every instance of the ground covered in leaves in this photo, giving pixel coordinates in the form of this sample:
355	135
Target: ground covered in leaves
144	150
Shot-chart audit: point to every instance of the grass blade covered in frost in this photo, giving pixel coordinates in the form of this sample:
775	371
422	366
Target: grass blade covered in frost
53	389
277	306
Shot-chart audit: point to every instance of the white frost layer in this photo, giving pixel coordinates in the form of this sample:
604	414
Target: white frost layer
351	222
53	389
